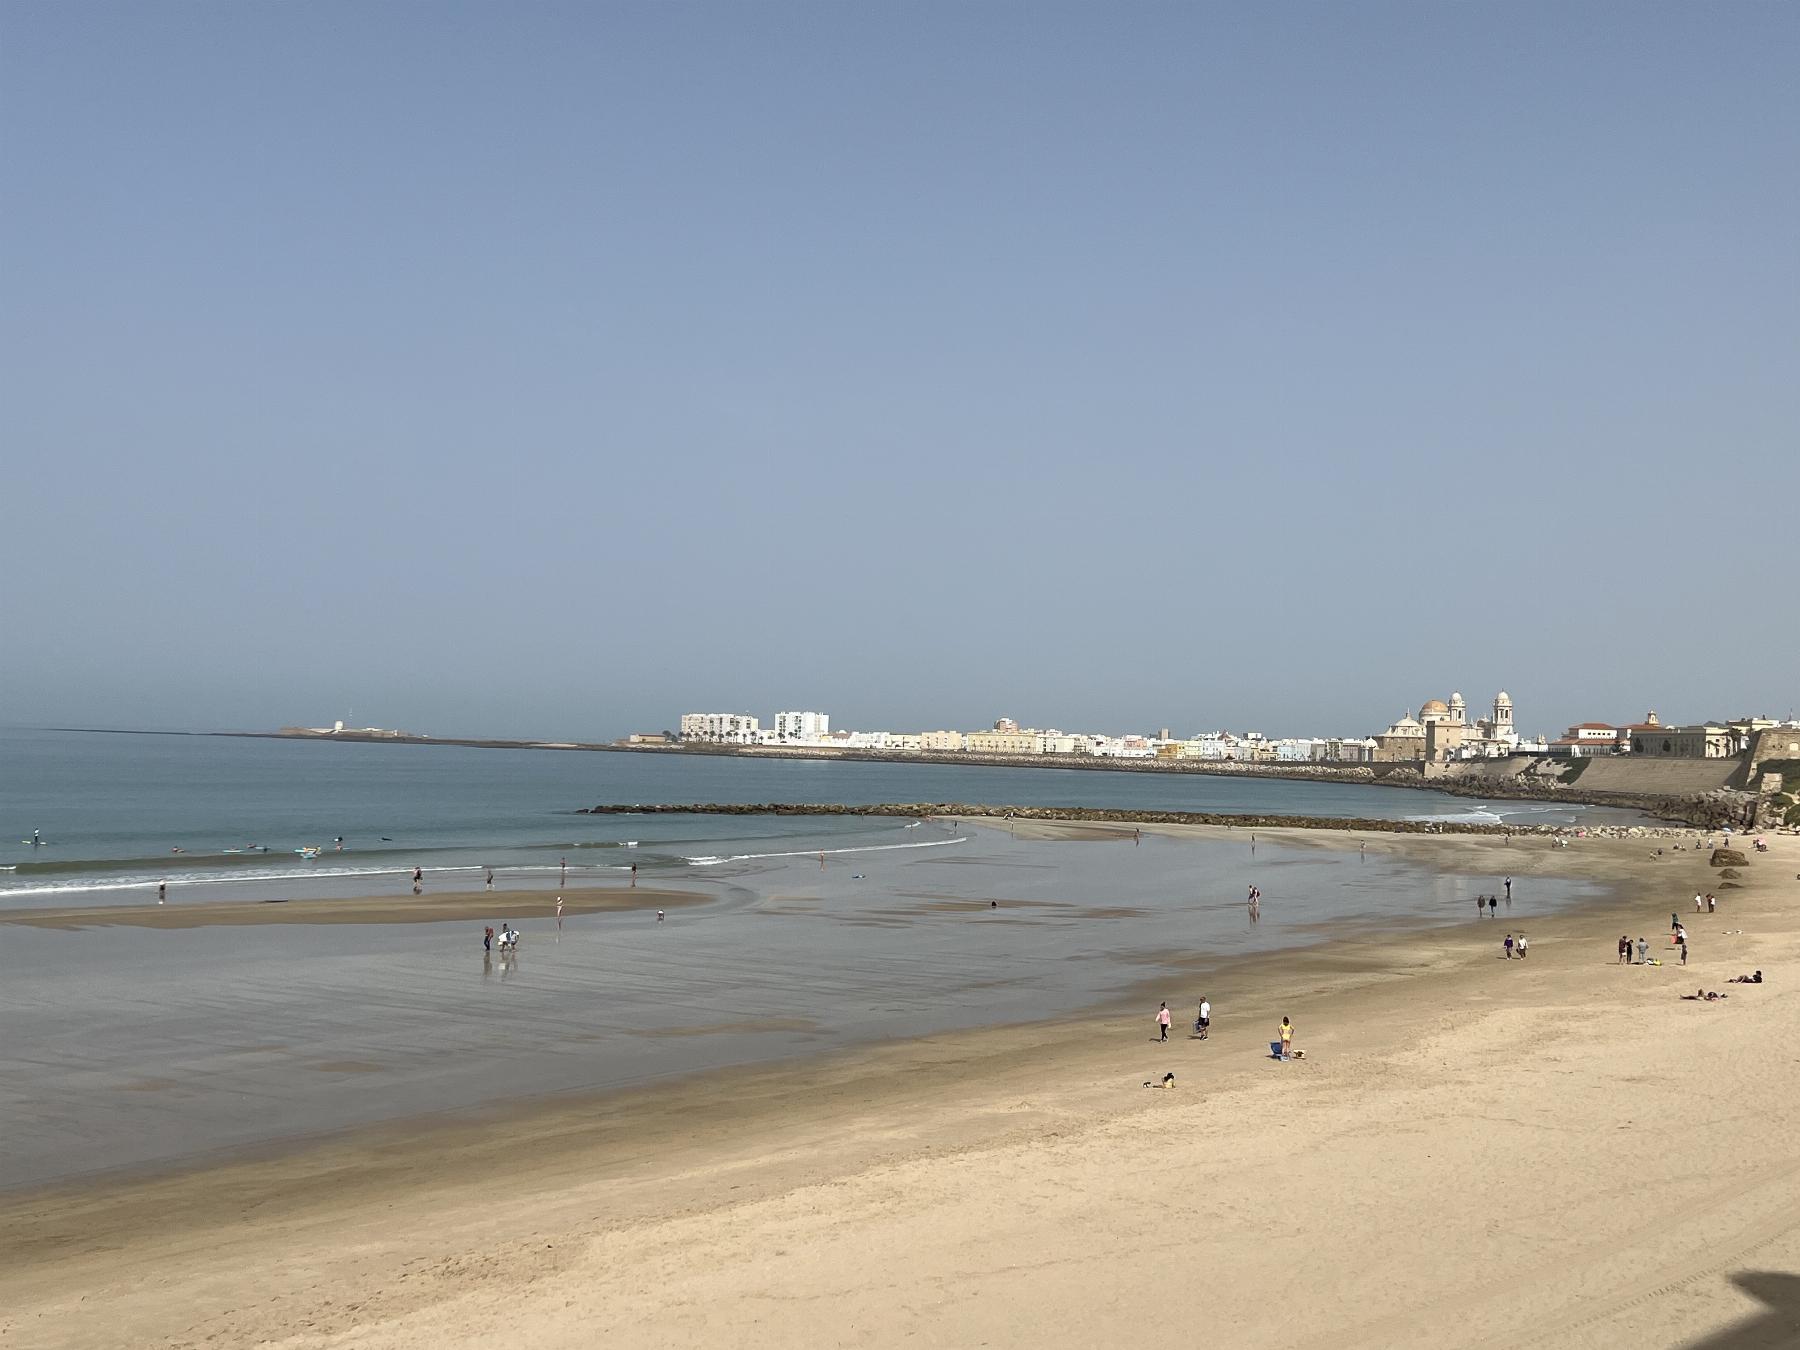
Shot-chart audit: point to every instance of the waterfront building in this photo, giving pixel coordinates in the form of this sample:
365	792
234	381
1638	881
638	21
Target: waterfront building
803	727
1014	742
1706	740
1584	740
941	741
720	728
1443	731
1403	742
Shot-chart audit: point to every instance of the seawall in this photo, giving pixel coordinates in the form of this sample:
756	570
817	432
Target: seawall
1108	815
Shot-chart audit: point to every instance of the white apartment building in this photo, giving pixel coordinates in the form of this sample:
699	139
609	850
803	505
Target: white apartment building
720	728
805	727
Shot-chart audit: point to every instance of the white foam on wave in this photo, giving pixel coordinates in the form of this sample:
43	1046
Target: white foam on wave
146	881
1479	816
708	860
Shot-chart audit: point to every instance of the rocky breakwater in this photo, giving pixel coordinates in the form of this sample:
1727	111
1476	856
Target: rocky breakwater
1098	815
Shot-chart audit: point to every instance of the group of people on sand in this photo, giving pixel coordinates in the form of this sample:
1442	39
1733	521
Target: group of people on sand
1203	1029
1516	946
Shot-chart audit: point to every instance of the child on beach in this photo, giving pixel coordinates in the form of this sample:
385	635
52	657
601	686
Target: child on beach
1287	1038
1162	1022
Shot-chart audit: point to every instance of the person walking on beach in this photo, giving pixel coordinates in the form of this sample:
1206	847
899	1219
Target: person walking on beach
1287	1039
1699	903
1520	946
1508	884
487	938
1203	1020
1712	905
1493	907
1509	946
418	875
1684	951
490	878
1162	1022
162	891
634	876
1480	906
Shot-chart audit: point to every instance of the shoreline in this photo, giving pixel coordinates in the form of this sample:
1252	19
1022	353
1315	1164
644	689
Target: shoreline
440	907
1410	775
614	1180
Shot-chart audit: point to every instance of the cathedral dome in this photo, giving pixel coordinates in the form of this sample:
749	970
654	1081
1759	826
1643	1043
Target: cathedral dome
1434	706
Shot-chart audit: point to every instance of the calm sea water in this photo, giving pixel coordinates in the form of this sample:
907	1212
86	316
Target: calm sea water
222	817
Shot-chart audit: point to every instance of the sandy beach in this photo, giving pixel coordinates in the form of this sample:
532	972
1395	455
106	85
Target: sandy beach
1475	1152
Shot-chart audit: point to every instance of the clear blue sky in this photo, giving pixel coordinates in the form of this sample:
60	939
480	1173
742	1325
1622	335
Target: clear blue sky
554	369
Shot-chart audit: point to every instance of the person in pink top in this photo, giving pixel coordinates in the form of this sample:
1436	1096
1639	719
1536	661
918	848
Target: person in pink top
1162	1022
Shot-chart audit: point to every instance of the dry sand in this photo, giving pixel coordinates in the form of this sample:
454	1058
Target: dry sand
1475	1153
427	908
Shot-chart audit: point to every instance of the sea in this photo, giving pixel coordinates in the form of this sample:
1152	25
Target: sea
135	1049
219	817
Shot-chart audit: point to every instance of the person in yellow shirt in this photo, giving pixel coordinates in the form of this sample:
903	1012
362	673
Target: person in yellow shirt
1287	1038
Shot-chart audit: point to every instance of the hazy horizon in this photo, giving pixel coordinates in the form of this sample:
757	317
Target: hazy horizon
550	372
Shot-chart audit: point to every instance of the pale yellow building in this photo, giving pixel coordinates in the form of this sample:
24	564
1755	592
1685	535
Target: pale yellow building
1003	743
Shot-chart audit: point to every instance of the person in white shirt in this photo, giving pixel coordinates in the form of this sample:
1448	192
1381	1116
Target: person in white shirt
1699	902
1204	1020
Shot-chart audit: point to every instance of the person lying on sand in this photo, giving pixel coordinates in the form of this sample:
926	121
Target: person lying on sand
1746	979
1704	995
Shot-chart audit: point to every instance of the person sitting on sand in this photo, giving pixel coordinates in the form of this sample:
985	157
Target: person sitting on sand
1746	979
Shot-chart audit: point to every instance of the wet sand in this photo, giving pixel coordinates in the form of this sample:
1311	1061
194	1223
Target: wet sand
427	908
1475	1153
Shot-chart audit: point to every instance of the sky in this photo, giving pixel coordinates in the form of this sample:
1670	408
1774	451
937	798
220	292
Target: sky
554	369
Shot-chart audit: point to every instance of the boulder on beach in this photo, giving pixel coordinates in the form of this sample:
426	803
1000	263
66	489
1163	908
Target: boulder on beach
1731	874
1729	857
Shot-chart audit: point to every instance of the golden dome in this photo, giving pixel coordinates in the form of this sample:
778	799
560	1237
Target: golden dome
1436	705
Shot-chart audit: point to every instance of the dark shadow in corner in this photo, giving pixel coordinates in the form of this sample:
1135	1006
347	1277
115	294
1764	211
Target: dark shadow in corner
1776	1327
